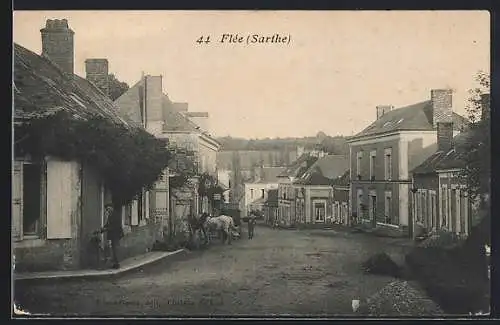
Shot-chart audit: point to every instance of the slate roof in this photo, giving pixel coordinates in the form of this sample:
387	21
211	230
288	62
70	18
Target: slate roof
451	159
413	117
325	170
343	180
299	166
176	121
41	88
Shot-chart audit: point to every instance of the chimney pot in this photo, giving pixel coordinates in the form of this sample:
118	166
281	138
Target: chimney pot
383	109
441	100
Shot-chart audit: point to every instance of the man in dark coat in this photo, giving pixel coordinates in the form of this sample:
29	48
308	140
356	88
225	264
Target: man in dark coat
114	232
251	226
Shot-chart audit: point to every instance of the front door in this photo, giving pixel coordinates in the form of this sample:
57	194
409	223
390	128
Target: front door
92	215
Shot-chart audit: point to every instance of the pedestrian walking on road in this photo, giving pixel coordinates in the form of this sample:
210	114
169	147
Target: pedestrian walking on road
114	232
251	226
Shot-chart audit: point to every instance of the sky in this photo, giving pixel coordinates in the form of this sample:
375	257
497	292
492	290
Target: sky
337	67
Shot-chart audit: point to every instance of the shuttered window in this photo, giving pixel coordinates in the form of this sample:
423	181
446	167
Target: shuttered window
135	213
17	201
146	205
62	197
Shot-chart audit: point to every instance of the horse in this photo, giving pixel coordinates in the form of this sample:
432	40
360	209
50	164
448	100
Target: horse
224	224
196	224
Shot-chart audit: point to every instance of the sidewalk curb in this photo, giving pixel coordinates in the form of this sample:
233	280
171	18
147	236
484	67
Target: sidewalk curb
99	274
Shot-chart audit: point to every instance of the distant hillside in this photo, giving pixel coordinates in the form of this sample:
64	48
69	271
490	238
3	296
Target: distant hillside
334	145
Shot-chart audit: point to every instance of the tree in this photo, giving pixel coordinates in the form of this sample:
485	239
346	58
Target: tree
478	148
116	87
477	173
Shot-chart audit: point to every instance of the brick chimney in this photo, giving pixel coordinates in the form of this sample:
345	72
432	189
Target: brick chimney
444	136
441	100
97	72
383	109
442	117
485	106
153	94
57	44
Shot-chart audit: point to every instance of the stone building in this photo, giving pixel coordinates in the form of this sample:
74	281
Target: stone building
58	202
383	154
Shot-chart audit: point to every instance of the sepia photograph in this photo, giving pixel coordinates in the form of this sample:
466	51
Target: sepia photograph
250	164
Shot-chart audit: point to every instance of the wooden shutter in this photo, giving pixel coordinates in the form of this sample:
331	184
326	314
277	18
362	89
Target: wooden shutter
62	197
135	213
146	205
17	201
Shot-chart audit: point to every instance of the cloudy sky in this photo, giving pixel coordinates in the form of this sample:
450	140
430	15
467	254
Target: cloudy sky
337	67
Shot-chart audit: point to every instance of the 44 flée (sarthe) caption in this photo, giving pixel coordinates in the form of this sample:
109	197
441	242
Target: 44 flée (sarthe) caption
248	39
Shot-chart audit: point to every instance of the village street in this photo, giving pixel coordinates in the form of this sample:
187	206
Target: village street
278	272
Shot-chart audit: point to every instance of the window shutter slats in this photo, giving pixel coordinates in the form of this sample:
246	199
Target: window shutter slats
135	213
17	201
62	197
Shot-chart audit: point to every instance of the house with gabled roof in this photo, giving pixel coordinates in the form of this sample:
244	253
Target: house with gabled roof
256	192
271	207
188	135
286	189
383	154
58	195
439	192
314	191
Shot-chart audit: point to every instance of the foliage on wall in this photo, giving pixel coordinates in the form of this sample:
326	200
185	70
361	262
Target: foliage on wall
208	186
116	87
127	159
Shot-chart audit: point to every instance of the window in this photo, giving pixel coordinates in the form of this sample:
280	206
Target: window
134	214
360	203
31	199
335	212
319	211
444	207
251	193
126	211
140	207
344	212
373	205
262	193
388	207
373	155
359	157
461	211
432	209
388	163
454	211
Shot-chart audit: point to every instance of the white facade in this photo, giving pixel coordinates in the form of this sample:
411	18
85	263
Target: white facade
256	192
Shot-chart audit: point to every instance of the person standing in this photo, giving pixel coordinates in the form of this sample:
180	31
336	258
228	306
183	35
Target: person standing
251	226
114	232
